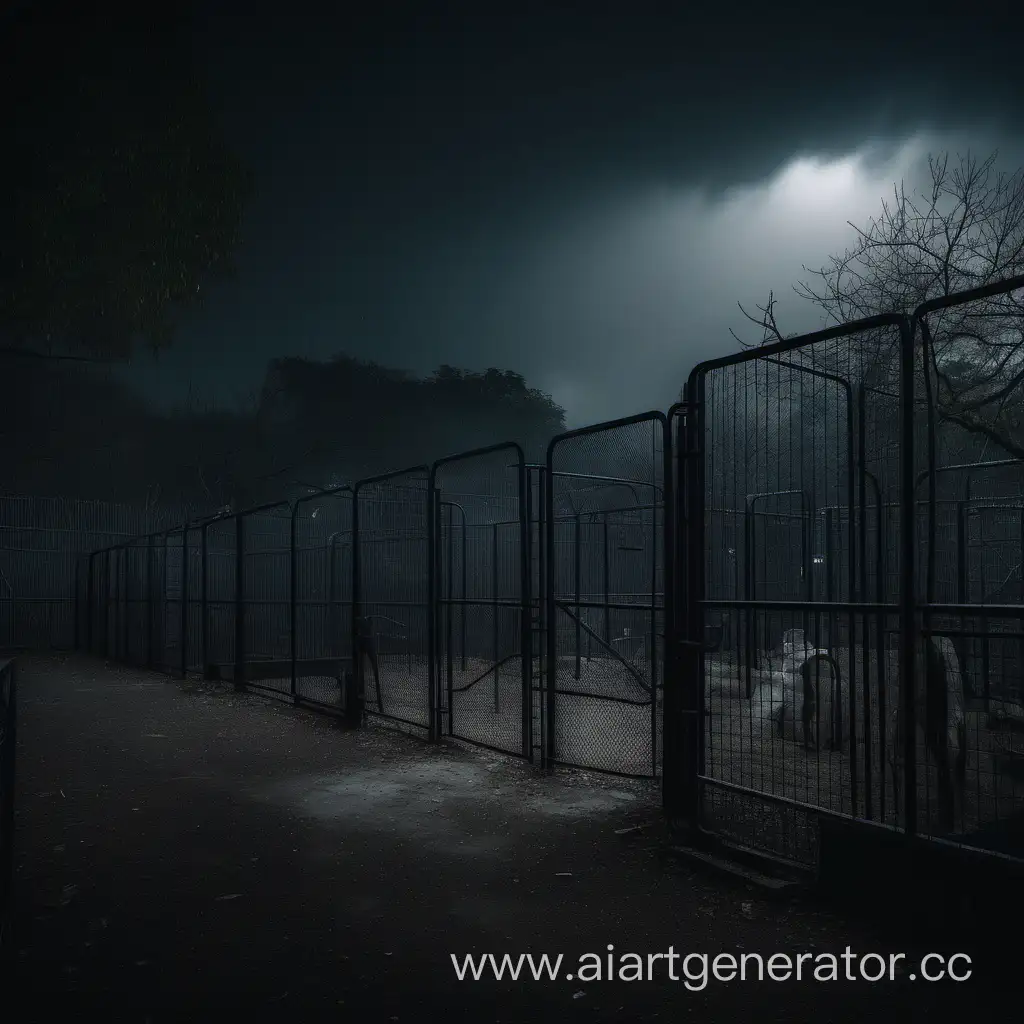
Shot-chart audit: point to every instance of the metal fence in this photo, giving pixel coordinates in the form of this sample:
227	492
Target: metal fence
810	527
793	597
484	675
393	579
605	595
43	547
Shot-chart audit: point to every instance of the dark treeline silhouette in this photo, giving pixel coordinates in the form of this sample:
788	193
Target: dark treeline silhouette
76	430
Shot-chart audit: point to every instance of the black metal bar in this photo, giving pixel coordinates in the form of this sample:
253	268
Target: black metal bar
239	676
597	428
606	584
448	652
674	782
465	578
162	666
150	589
293	614
630	669
203	598
526	614
549	621
105	649
433	527
669	527
332	588
494	612
908	601
126	600
183	625
654	601
694	706
90	583
358	682
526	603
861	595
78	604
810	606
577	574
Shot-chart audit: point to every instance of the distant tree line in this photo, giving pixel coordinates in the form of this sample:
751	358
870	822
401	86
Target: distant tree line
76	430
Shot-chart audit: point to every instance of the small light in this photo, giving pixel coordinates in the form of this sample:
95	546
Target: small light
818	560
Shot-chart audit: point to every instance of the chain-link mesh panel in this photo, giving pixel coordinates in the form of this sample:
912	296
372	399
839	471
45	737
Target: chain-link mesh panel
970	497
266	600
193	598
392	595
323	590
219	632
605	624
483	662
797	688
172	593
137	602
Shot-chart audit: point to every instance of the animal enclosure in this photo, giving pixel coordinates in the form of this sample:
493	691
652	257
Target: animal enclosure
799	594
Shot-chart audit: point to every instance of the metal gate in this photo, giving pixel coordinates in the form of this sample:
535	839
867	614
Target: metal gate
480	550
772	472
391	526
605	590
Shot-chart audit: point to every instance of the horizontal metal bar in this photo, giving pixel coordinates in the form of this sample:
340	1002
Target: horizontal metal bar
824	607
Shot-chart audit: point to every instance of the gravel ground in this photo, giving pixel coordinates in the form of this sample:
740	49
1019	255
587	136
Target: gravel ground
184	852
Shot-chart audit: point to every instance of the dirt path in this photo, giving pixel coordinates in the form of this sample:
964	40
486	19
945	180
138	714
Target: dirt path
185	852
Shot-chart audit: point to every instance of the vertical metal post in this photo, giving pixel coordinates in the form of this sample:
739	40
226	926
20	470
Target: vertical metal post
162	666
293	617
434	696
525	606
577	574
654	616
332	592
670	713
449	613
127	602
862	596
357	681
464	606
106	605
692	655
122	622
203	599
550	621
150	553
78	604
908	608
184	602
90	581
494	615
607	584
239	673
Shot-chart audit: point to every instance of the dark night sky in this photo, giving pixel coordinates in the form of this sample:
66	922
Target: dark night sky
577	193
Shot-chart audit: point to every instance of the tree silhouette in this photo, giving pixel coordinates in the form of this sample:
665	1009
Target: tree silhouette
118	196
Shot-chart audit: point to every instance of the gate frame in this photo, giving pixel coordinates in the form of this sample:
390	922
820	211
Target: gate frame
357	661
525	639
550	666
683	788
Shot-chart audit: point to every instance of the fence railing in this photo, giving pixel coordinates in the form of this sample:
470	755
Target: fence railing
761	597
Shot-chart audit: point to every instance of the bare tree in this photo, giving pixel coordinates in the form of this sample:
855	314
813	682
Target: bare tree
964	230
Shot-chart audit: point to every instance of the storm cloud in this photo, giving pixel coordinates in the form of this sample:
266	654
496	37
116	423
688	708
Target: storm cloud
580	199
